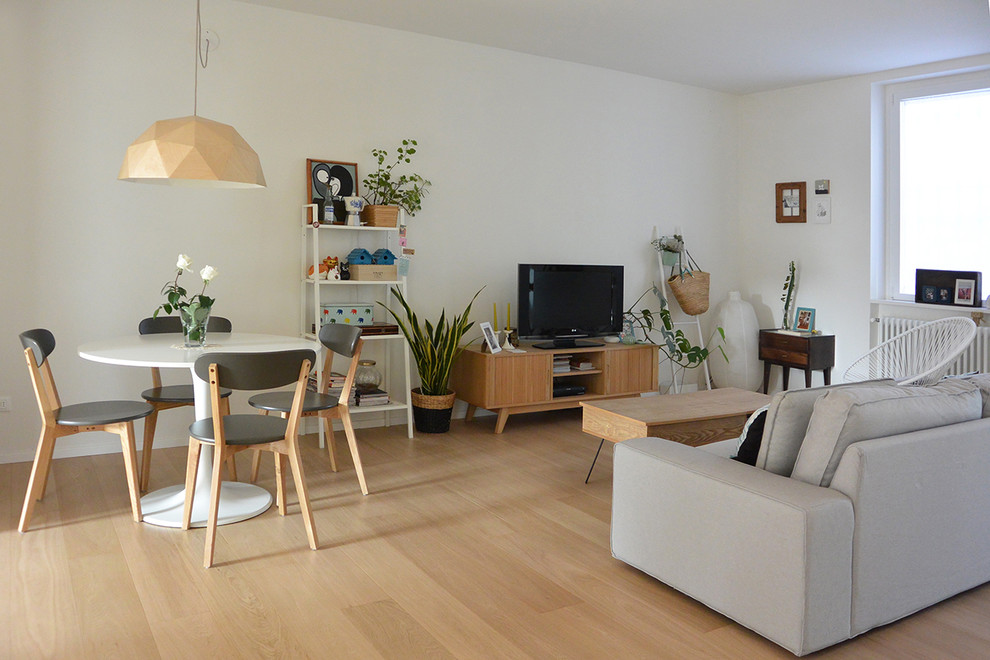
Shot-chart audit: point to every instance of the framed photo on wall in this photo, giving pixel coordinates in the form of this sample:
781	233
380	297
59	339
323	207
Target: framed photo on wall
792	202
804	319
331	180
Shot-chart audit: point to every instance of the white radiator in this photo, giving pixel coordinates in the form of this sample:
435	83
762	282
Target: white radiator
974	358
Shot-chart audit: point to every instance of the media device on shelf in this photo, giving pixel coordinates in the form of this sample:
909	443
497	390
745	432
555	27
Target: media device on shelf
566	303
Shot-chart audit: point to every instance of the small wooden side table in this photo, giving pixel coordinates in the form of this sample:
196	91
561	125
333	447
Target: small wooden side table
807	352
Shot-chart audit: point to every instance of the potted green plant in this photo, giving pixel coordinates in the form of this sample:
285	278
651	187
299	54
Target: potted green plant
669	248
435	347
787	297
387	192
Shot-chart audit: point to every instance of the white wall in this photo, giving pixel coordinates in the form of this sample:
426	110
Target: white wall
820	131
532	160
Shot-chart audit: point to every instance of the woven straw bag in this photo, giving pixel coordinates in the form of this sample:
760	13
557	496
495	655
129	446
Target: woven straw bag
691	291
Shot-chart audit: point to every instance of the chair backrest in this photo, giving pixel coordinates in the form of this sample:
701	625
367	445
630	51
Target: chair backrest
342	340
40	341
339	338
171	324
254	371
919	356
38	345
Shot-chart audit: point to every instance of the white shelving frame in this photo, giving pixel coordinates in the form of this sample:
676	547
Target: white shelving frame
694	323
312	254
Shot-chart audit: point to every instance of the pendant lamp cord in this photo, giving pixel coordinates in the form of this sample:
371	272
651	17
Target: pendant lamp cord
201	58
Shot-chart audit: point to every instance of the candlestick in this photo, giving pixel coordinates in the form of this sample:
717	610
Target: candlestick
508	315
495	315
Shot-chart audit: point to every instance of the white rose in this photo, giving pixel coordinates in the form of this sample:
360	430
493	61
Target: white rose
184	262
208	273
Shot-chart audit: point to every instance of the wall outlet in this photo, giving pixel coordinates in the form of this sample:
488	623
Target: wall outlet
4	403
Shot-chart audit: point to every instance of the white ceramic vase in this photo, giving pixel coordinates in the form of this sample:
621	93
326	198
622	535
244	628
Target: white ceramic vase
742	336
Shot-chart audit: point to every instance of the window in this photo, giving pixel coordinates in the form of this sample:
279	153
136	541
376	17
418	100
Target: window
938	178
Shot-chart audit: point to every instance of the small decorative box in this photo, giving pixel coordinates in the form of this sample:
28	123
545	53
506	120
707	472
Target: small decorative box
350	313
374	273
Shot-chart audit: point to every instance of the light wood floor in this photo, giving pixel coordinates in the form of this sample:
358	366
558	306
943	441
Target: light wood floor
470	545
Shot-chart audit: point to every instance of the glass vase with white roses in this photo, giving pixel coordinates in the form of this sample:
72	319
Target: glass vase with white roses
194	311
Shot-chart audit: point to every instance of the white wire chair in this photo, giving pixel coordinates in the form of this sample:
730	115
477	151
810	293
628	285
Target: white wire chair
919	356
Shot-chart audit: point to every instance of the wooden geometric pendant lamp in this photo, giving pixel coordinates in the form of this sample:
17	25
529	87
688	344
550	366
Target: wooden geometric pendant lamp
193	151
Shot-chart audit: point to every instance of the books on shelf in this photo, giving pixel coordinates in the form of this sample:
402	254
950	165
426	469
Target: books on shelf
579	364
371	397
335	391
336	386
379	328
561	364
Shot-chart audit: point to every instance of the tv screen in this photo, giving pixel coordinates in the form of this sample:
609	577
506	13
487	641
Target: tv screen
563	300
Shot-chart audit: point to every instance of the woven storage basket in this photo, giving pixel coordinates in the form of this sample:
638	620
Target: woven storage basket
432	413
691	291
380	216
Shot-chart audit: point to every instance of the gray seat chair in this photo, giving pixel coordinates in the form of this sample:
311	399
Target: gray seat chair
59	421
230	434
170	396
338	339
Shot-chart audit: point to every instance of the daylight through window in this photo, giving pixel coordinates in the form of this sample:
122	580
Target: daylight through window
938	179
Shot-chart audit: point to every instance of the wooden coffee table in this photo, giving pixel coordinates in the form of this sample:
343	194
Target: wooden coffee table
695	419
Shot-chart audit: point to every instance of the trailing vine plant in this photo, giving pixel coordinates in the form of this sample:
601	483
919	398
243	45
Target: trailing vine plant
675	345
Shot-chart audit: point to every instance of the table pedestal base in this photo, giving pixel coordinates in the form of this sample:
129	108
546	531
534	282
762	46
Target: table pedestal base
238	501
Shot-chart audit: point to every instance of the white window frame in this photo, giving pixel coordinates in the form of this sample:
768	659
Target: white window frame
894	93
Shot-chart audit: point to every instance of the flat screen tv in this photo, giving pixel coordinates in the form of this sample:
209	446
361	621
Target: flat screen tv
565	301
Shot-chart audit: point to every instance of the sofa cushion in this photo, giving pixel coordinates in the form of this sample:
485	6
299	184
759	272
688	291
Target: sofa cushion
982	381
787	423
752	437
846	415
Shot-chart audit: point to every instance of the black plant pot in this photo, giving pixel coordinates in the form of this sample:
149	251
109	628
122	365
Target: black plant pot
431	414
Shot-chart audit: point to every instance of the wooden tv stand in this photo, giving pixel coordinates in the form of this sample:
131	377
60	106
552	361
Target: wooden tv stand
511	383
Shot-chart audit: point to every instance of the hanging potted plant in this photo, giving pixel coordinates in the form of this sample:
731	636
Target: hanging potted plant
669	248
387	192
687	281
434	346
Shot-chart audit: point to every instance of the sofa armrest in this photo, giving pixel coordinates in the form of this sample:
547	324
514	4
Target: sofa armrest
922	530
771	553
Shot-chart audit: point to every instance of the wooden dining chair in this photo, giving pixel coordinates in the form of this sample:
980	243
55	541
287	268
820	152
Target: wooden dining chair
343	340
58	421
230	434
171	396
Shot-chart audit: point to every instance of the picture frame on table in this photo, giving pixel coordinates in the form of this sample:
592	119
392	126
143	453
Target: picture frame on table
334	180
489	337
965	292
804	319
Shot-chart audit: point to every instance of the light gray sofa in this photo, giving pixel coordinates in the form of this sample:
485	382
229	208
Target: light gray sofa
867	503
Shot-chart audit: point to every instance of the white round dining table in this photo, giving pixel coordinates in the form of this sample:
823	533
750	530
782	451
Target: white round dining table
238	501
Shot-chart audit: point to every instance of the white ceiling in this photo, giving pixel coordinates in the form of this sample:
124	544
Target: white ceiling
736	46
